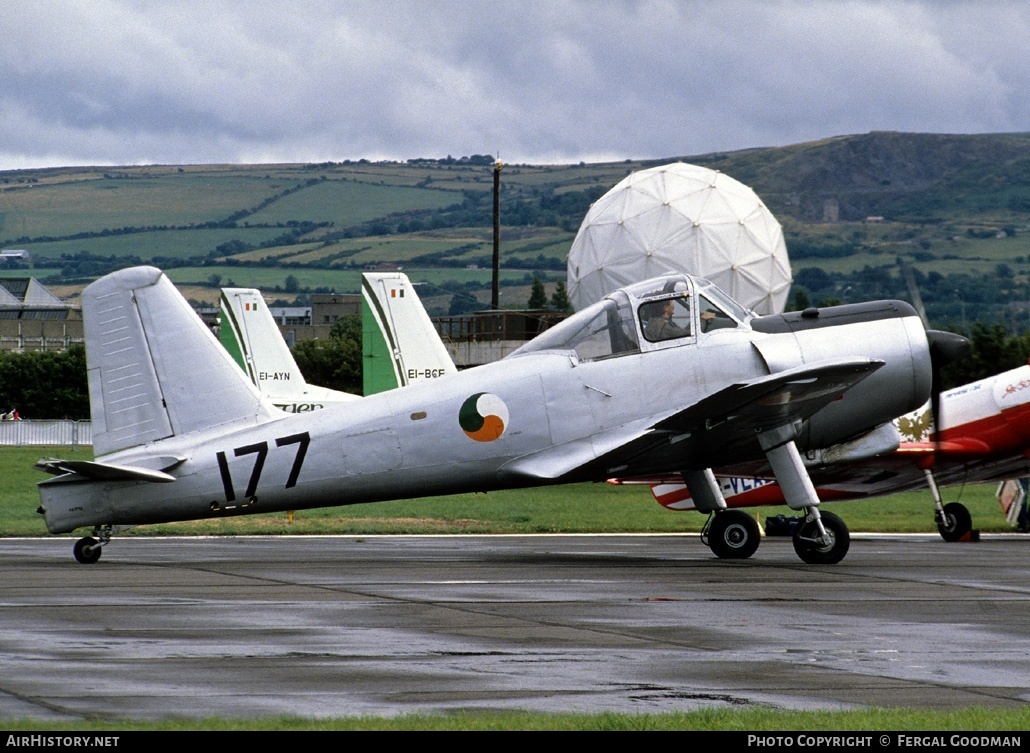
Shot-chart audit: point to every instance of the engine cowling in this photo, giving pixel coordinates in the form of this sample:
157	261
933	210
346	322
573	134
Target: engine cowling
890	331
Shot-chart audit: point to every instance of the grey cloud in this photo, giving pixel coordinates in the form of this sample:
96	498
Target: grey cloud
183	81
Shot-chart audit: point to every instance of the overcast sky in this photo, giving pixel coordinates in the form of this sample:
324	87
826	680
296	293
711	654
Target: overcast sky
184	81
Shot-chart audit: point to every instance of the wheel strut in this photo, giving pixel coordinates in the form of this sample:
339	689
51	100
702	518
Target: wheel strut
935	492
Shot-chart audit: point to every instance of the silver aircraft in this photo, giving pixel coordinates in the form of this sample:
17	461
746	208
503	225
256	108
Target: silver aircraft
667	375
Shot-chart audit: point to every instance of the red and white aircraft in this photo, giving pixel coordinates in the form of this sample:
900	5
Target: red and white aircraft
983	436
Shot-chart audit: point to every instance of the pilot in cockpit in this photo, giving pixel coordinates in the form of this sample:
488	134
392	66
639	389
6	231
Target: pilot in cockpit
660	326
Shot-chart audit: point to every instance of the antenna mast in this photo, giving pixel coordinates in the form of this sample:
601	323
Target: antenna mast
496	289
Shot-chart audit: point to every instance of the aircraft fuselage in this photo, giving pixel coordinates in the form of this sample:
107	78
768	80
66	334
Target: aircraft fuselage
461	433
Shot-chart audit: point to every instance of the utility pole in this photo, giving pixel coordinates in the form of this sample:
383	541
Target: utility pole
496	289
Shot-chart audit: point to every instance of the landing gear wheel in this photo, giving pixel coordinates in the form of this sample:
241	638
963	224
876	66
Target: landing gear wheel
954	522
733	535
810	546
87	550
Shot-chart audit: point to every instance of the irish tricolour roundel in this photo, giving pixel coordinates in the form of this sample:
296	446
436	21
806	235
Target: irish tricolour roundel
483	417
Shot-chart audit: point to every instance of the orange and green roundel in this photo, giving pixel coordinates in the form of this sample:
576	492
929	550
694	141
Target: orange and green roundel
483	417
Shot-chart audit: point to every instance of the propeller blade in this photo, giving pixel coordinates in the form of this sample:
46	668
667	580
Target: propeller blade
945	348
913	290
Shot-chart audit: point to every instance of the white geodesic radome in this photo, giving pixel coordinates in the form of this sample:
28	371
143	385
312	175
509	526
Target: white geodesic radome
681	218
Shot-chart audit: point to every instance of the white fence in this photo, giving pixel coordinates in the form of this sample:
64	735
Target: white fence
23	433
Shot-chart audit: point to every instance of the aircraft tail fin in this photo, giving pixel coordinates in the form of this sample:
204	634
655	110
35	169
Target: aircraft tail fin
249	332
400	344
155	369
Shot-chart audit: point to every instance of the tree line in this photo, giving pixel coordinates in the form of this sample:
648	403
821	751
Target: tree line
52	384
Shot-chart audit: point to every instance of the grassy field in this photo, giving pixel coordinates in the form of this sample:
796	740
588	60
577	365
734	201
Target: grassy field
342	281
137	200
174	244
575	508
346	203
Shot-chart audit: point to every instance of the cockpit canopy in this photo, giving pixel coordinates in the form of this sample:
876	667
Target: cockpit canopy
661	312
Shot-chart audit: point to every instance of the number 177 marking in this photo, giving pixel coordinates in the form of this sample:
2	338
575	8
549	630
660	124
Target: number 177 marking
260	449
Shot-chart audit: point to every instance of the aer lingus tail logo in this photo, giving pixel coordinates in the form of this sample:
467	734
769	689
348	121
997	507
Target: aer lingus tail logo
483	417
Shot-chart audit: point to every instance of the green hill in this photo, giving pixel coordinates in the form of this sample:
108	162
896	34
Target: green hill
955	206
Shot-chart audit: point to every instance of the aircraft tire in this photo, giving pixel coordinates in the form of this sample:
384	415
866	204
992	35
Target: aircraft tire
734	535
815	553
87	550
957	522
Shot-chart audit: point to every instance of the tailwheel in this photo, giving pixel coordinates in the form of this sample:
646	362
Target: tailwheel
87	550
733	534
954	521
817	549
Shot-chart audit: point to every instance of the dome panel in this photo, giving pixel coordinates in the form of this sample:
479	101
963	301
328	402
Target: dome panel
681	218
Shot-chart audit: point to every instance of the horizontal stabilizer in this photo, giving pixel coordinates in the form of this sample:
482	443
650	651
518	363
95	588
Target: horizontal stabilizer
106	471
960	446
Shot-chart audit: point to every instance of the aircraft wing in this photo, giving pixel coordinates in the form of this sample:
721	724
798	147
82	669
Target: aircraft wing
720	428
775	400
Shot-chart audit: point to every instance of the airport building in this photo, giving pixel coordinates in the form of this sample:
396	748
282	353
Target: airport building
34	319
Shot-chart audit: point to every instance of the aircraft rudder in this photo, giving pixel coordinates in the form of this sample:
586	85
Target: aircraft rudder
379	367
229	328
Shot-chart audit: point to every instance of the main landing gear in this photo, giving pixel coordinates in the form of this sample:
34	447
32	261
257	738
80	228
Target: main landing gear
954	521
819	539
731	534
